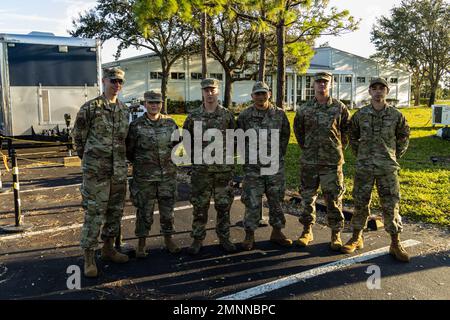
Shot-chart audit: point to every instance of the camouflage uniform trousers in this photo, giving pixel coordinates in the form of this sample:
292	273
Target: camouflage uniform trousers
103	198
253	188
144	195
205	185
389	192
331	181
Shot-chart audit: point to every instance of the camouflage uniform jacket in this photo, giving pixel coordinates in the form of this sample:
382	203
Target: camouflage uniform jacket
379	138
149	147
99	136
221	119
322	132
272	118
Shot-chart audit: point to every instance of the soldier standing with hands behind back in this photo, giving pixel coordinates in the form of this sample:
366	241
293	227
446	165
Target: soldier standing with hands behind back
379	137
99	135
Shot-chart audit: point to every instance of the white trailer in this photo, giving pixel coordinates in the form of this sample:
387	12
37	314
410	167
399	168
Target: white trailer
42	78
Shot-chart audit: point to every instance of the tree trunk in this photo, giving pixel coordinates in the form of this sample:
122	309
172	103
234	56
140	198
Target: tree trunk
434	84
433	90
262	51
262	57
165	79
228	90
417	96
281	64
417	82
204	46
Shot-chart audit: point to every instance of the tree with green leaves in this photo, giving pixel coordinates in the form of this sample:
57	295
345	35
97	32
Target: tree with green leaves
227	38
189	11
168	39
231	41
417	35
417	69
297	23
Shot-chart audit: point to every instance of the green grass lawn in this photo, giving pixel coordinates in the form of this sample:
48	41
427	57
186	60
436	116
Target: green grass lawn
425	187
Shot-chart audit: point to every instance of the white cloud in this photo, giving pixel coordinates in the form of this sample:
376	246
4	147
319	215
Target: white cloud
73	10
27	17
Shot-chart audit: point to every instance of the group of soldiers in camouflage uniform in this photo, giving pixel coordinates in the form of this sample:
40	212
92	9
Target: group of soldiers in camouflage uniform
104	139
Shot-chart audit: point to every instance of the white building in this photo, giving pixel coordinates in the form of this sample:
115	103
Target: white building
351	73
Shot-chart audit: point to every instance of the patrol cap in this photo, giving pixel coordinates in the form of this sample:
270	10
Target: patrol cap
153	96
323	76
379	81
209	83
113	73
260	86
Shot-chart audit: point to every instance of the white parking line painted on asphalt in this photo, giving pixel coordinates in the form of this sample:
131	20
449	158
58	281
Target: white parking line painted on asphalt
72	226
3	271
42	189
45	188
292	279
79	225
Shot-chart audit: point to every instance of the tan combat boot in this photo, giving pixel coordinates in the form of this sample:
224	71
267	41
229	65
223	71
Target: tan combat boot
306	236
195	247
90	268
170	244
279	238
111	254
140	252
397	250
249	240
355	242
336	242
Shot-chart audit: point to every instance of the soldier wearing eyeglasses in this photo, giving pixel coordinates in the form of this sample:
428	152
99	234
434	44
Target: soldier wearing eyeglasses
99	133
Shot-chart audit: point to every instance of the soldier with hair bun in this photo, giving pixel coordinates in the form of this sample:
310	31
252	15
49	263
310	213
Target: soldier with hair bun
149	149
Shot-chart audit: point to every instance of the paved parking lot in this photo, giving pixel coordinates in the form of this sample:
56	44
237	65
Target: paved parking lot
36	264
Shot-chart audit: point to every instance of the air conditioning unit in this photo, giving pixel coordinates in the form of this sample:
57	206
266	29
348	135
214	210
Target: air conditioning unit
441	114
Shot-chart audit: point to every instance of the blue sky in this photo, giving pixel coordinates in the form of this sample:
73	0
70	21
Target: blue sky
24	16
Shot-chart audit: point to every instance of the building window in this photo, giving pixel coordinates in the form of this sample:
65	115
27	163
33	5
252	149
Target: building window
336	79
293	88
250	76
218	76
309	91
348	79
361	79
178	75
299	88
156	75
196	75
289	94
394	80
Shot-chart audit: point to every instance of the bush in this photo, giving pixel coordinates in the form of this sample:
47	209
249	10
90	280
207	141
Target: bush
176	106
192	105
348	103
237	108
392	102
182	107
